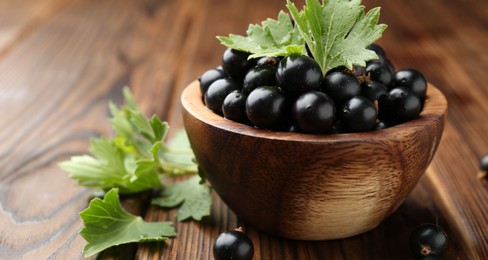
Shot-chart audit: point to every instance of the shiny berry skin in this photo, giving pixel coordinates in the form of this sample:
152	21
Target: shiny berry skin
235	63
379	71
428	240
297	74
314	112
358	115
341	86
208	77
233	245
216	93
266	108
484	163
259	75
373	90
401	105
234	106
411	79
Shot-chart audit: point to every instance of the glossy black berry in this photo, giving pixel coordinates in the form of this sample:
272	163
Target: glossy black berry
314	112
379	71
401	105
380	125
411	79
484	163
428	240
358	115
235	63
297	74
260	75
233	245
266	108
373	90
341	86
216	93
208	77
234	106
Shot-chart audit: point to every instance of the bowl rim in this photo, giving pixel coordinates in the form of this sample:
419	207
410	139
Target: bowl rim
435	108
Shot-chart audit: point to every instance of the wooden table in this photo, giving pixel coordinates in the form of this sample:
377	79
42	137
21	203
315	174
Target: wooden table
62	61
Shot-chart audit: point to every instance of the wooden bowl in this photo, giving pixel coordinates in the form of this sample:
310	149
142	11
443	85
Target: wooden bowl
312	187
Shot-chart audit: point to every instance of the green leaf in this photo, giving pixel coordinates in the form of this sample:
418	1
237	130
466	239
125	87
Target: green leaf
272	38
177	156
337	32
195	199
107	224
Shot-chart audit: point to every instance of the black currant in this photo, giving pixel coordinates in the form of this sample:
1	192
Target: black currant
373	90
216	93
401	105
233	245
235	63
297	74
234	106
428	240
341	86
380	125
411	79
266	108
379	71
358	114
314	112
260	75
208	77
484	163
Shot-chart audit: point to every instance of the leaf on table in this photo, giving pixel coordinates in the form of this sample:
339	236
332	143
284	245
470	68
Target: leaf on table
272	38
337	32
107	224
195	199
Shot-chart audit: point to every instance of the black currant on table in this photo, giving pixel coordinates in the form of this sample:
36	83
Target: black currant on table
428	240
233	244
483	167
297	74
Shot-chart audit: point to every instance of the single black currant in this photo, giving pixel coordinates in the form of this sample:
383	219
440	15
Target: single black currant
259	75
379	71
273	61
235	63
484	163
428	240
234	106
216	93
266	107
373	90
297	74
208	77
401	105
411	79
314	112
233	244
358	114
341	86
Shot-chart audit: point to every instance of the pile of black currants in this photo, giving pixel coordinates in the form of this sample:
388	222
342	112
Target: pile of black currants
292	94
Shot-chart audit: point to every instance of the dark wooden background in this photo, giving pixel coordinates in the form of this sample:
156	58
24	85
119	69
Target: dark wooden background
61	61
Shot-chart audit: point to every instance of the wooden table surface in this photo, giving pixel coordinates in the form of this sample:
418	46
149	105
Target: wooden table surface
62	61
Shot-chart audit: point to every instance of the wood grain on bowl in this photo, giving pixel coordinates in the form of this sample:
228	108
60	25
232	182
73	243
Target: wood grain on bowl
312	187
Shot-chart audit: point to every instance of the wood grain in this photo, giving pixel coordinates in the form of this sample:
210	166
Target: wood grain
61	61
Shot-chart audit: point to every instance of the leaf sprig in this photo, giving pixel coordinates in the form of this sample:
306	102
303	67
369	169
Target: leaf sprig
336	32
